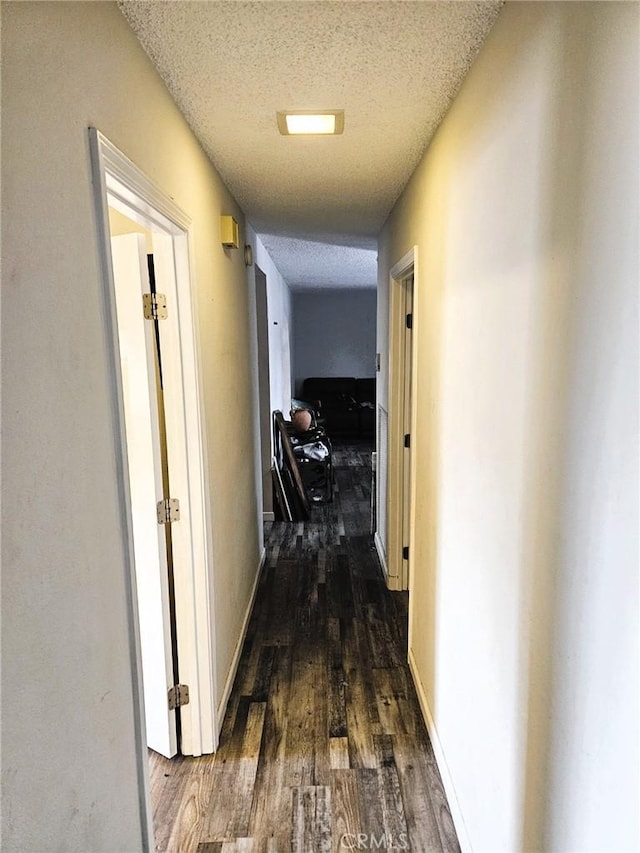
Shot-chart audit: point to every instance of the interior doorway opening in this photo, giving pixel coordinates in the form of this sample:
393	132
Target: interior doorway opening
264	392
400	482
160	619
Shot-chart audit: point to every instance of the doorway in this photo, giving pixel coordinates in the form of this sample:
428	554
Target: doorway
264	392
121	187
401	421
406	414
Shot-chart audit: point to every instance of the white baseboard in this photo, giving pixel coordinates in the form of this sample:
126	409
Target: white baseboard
392	581
381	555
268	516
447	781
228	685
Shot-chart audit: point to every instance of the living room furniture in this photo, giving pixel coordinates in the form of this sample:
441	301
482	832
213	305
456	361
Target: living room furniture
345	404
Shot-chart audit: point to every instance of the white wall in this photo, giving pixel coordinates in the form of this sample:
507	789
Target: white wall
524	604
334	333
68	735
280	321
593	783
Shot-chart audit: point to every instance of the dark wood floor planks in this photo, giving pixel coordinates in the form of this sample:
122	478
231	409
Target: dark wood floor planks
323	745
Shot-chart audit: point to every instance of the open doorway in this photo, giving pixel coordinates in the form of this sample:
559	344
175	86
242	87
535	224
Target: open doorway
264	392
156	223
406	414
399	501
334	383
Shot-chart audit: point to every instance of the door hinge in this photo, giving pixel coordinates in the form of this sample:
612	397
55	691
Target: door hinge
407	440
178	695
168	510
405	552
409	321
154	306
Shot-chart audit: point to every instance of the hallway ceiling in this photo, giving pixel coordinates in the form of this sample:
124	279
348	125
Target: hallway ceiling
392	66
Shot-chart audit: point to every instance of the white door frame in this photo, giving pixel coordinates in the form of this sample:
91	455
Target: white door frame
264	390
119	183
399	570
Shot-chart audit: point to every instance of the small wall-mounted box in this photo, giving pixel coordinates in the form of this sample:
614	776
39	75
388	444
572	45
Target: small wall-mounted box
229	233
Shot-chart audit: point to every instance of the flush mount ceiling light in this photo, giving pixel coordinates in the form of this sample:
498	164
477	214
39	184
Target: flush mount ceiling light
311	123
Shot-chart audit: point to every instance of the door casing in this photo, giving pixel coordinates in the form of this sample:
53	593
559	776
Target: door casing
264	391
401	482
120	184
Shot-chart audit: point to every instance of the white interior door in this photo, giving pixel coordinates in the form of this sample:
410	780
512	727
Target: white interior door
136	339
406	419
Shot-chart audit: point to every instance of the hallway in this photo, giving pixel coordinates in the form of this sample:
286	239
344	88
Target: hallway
323	745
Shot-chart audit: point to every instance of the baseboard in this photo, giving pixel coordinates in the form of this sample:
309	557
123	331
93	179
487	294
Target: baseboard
381	555
228	686
392	581
268	516
447	781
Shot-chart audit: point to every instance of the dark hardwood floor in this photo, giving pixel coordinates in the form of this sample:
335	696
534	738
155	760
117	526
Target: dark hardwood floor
323	746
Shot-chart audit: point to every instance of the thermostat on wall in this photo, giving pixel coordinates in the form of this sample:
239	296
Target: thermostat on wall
229	234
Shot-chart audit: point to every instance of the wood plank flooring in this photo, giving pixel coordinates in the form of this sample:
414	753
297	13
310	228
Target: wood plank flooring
323	746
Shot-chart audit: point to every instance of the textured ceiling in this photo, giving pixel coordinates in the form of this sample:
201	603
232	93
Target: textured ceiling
313	264
392	66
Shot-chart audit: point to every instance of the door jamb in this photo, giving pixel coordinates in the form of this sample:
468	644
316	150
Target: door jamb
399	573
115	176
264	390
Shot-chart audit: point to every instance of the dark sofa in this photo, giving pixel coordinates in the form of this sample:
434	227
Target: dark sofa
347	405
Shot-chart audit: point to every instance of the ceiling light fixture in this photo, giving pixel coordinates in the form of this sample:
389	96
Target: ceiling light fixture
311	123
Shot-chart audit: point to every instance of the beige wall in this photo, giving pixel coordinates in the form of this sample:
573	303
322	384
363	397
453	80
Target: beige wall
68	754
525	597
